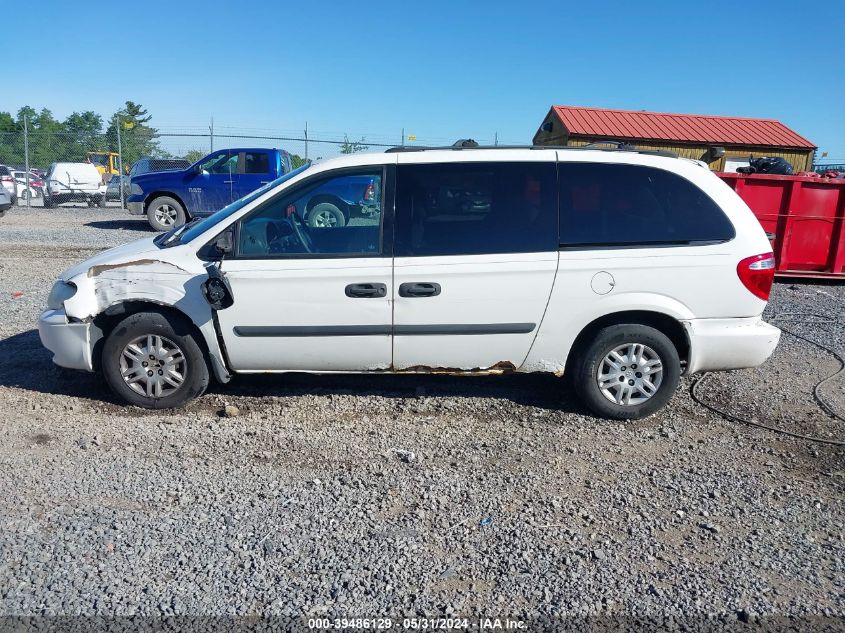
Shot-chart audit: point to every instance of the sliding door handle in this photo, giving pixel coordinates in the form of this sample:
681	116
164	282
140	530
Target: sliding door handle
419	289
366	291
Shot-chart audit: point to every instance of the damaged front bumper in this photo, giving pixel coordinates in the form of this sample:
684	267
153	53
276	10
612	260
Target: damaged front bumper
71	343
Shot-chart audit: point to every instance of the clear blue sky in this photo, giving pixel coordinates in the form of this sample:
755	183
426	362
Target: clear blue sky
441	70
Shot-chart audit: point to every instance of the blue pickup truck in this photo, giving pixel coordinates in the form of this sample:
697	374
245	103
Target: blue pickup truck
171	198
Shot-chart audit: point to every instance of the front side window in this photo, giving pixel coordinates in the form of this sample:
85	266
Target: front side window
220	163
476	208
629	205
336	215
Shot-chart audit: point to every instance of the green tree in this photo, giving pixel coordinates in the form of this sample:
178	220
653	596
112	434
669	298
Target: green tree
193	155
48	141
350	147
297	161
84	133
137	138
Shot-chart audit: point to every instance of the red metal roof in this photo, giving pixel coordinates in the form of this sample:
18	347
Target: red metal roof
695	128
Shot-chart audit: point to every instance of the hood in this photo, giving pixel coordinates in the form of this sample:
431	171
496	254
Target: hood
155	178
120	254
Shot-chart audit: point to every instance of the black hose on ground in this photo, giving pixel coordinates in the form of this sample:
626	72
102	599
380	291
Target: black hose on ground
824	405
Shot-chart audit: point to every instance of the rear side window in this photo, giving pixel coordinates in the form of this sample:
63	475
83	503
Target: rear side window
632	205
256	163
475	208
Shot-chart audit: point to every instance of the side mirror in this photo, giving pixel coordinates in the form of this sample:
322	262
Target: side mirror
224	244
216	289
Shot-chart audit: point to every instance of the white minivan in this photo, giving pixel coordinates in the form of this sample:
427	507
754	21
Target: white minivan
72	182
621	269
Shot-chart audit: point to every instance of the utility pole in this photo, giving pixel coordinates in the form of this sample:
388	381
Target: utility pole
26	158
403	138
306	141
496	142
119	164
211	131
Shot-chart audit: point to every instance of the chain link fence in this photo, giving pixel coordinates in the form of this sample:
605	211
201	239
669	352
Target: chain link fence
28	153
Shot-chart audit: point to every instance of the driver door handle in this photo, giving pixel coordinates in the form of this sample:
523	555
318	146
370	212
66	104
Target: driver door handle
419	289
366	291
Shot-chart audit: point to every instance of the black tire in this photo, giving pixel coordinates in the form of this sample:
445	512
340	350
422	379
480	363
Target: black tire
165	206
48	202
323	214
591	359
173	332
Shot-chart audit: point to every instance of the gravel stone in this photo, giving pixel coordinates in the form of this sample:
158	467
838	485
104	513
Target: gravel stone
299	505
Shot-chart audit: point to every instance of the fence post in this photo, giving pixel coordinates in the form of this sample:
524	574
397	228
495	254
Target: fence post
26	159
119	165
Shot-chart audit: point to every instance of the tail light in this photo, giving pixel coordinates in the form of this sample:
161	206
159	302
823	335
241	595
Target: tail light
6	178
757	274
370	193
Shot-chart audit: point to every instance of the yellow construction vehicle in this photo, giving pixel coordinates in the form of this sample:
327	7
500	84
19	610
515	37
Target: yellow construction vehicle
107	164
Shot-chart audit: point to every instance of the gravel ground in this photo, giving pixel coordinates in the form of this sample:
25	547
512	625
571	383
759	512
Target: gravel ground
510	499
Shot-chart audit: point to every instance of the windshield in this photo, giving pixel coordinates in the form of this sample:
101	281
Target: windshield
197	227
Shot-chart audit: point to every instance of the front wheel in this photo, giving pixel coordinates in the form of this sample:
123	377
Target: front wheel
165	213
154	362
628	371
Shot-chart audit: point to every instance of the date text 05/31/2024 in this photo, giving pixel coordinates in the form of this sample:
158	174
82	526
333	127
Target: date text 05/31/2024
418	624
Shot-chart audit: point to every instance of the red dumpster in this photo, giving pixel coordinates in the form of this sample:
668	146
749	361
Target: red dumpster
804	218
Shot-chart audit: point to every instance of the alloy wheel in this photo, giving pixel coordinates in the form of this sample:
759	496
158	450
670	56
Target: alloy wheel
153	366
165	215
324	219
630	374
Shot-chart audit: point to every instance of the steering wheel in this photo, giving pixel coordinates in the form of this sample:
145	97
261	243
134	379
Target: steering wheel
301	233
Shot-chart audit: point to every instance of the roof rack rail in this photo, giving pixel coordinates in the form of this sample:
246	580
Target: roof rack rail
469	144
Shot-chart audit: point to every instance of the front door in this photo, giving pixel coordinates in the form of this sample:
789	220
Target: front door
475	260
212	188
309	298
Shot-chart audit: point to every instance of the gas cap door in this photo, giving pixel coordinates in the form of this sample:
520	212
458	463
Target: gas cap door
602	282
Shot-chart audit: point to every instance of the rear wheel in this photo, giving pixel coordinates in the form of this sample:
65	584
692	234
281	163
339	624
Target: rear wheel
325	215
154	362
627	372
165	213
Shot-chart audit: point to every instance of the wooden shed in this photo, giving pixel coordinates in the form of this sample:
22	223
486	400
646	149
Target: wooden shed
723	142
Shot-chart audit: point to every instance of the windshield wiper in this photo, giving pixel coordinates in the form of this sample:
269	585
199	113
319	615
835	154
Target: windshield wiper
171	238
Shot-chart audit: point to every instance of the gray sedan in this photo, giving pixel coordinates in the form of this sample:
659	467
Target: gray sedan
5	201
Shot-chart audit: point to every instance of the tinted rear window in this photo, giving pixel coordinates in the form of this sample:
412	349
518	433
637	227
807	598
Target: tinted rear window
256	163
628	205
475	208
